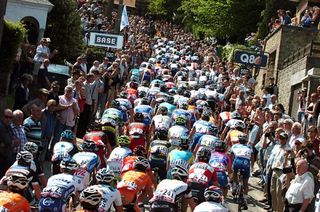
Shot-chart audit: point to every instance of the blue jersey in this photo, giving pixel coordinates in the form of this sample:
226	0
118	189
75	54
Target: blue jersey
208	141
87	160
169	106
125	103
179	157
116	112
180	112
147	112
202	126
241	151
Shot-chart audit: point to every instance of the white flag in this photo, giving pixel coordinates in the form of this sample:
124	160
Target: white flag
124	18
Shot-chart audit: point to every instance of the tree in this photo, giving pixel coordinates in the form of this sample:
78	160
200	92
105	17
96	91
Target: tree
64	30
13	34
164	8
227	19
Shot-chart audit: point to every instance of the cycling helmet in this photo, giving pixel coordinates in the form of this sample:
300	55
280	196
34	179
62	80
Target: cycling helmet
184	141
90	198
239	125
163	110
213	193
141	163
161	133
24	157
67	134
184	105
89	146
115	104
170	99
204	154
17	181
163	88
142	94
213	130
134	85
235	115
138	117
180	172
123	140
105	175
31	147
181	120
123	95
144	101
69	164
243	139
187	94
145	83
140	151
206	113
220	146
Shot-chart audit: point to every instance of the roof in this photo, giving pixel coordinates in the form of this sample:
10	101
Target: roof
39	2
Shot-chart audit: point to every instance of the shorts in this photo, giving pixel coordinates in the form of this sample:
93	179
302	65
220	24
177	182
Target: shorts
196	139
55	167
242	164
51	204
222	179
110	133
127	196
162	206
197	190
161	164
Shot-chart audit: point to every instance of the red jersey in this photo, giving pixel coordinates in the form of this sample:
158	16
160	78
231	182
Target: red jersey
203	173
99	139
127	164
137	134
132	95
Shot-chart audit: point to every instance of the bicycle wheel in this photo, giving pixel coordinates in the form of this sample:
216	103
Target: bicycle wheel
240	196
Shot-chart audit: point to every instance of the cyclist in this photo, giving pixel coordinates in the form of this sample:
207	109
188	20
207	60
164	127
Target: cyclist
202	127
116	157
13	199
88	162
201	174
169	104
64	148
213	196
221	163
23	165
173	195
132	92
110	126
177	131
182	111
110	195
135	185
207	141
146	110
35	165
138	132
161	120
90	199
128	162
125	102
181	156
114	116
233	135
242	157
61	187
158	152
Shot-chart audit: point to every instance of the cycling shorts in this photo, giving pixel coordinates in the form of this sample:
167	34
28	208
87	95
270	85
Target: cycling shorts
242	164
110	133
222	179
51	204
197	190
161	164
162	206
128	197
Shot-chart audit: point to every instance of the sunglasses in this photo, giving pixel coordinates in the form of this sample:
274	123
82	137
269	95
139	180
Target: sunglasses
7	117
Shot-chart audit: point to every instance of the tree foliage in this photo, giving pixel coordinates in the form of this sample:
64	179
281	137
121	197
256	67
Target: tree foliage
164	8
64	30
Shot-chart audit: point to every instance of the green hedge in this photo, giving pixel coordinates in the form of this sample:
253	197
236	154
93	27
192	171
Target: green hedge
228	50
13	34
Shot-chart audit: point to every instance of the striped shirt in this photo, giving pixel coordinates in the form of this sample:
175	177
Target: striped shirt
33	130
19	133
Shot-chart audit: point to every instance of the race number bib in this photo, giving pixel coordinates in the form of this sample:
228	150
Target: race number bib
165	195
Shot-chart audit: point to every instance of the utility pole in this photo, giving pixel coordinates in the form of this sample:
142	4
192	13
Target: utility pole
117	27
3	6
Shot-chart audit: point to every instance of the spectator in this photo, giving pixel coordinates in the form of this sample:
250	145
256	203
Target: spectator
295	134
7	141
42	53
302	101
313	139
313	110
40	101
75	74
97	88
22	94
47	124
301	189
43	80
17	130
32	126
95	66
54	91
306	20
284	17
113	79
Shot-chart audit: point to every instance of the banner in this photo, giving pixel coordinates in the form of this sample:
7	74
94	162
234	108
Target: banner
128	3
124	18
106	40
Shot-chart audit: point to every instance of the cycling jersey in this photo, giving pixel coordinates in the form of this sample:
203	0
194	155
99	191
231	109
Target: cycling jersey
242	158
153	92
110	195
169	106
122	115
125	103
201	128
62	150
137	134
207	141
99	138
171	192
210	207
202	173
158	149
61	186
179	157
175	133
128	164
147	112
132	95
233	135
220	162
180	112
161	122
242	151
13	202
87	161
131	184
115	159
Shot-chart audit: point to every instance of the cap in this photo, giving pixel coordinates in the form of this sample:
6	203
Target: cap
44	91
283	135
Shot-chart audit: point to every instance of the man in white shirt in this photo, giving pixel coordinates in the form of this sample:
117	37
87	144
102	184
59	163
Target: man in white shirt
301	190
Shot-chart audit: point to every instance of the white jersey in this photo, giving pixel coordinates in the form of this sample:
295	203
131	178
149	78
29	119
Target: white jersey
61	150
110	195
242	151
210	207
161	121
115	159
171	191
64	180
175	133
